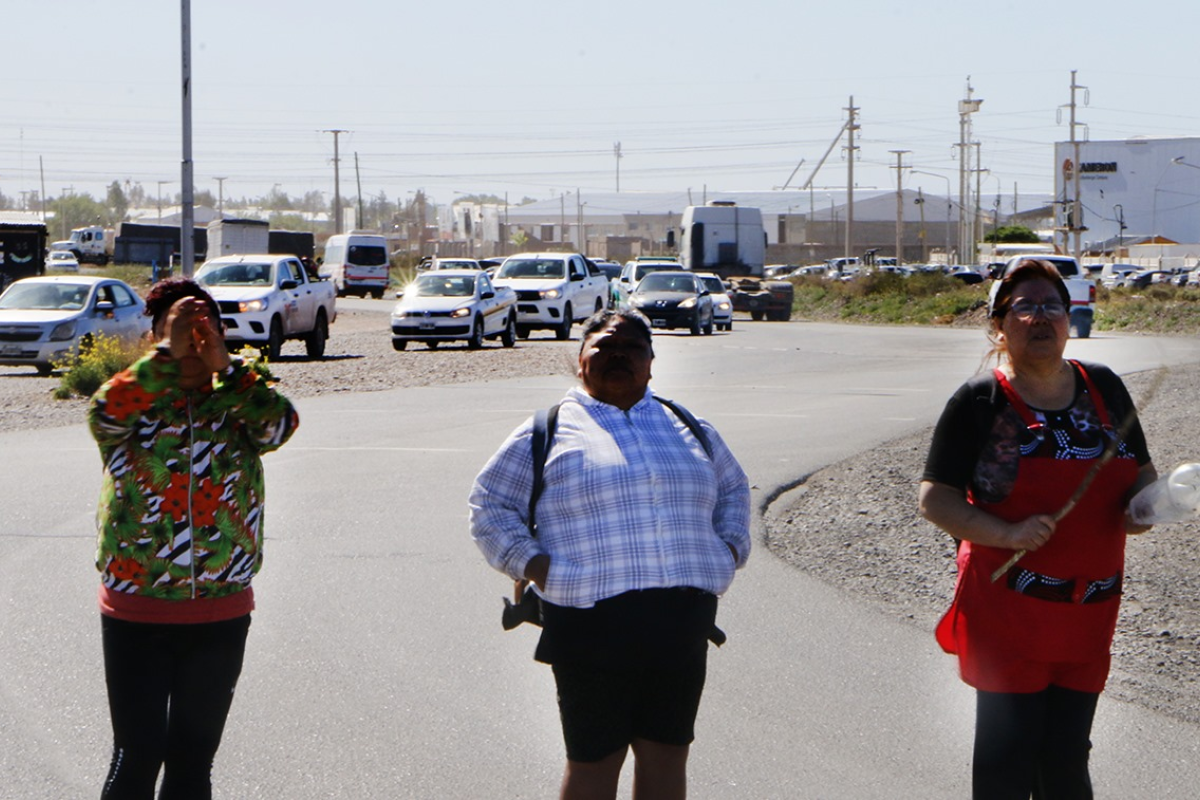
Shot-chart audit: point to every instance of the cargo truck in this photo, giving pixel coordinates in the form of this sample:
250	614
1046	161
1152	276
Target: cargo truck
729	240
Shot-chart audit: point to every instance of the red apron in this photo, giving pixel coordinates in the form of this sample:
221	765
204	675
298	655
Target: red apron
997	631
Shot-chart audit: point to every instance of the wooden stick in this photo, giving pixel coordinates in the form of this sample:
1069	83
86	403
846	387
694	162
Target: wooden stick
1109	451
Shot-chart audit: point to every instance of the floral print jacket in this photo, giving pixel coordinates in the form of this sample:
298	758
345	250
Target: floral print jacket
181	507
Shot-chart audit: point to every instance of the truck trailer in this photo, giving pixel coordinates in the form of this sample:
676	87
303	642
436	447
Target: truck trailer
730	241
22	250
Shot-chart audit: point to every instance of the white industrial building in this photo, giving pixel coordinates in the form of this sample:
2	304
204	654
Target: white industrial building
1131	190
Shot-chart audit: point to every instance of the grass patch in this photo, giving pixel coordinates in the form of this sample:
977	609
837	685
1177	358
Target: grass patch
887	299
935	299
98	359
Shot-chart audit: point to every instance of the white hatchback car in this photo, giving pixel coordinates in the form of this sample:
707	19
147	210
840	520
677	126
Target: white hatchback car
722	305
62	260
44	320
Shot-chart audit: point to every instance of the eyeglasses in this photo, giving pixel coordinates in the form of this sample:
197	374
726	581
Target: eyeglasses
1026	310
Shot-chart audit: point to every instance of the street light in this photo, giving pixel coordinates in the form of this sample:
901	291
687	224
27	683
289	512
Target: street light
949	205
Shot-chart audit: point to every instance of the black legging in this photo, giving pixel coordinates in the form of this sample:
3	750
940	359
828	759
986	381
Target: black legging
1033	744
169	692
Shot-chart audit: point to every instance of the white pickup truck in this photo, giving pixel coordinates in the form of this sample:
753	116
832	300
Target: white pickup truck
553	290
1081	288
267	299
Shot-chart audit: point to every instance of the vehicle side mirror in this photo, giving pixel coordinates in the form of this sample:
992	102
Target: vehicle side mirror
288	285
705	292
488	295
400	294
105	308
575	276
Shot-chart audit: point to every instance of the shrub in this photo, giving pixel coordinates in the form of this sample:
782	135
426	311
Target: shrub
99	358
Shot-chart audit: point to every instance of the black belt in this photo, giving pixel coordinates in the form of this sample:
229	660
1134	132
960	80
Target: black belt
1064	590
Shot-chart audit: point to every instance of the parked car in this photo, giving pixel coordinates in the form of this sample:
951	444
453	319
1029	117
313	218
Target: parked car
1115	275
1193	278
1146	277
454	305
45	320
674	299
633	272
967	275
722	305
63	260
810	271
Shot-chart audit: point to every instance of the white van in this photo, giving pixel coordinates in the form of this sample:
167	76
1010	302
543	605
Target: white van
357	263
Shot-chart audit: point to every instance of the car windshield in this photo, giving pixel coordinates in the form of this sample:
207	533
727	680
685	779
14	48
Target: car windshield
240	274
714	285
440	286
45	296
667	282
533	268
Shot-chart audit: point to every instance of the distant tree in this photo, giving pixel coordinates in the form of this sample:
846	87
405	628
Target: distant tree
1012	234
276	200
288	222
519	237
480	199
117	202
313	202
204	197
78	210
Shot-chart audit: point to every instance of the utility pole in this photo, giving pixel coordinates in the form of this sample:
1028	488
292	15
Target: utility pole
358	220
851	127
920	201
1075	224
337	182
966	107
221	196
900	204
187	219
617	153
977	217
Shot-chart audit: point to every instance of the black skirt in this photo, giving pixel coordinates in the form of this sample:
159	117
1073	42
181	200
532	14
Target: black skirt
649	627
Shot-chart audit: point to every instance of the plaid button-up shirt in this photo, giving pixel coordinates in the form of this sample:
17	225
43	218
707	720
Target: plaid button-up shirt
630	501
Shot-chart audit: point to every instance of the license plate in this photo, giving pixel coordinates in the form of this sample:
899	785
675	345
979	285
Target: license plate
427	326
10	349
658	323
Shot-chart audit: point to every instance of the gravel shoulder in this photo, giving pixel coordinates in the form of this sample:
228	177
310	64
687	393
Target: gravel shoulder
870	543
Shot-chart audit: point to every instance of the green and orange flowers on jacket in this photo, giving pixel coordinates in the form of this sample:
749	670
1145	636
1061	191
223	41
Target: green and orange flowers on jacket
181	508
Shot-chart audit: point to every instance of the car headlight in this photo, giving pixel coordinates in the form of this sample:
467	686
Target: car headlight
251	306
551	294
459	313
689	303
723	305
63	331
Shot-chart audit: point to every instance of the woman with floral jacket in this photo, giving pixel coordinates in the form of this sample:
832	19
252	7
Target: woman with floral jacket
180	532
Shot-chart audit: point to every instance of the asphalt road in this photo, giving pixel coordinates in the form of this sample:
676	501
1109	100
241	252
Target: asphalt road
377	667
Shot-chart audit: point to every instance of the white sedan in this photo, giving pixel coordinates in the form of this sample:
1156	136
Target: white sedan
63	260
454	305
44	320
722	305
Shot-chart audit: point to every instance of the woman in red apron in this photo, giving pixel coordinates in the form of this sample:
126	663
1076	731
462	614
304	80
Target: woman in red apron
1007	454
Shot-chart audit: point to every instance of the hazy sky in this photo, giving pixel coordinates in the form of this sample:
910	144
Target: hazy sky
528	97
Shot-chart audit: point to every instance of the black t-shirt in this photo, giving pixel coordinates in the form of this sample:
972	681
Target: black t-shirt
981	436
